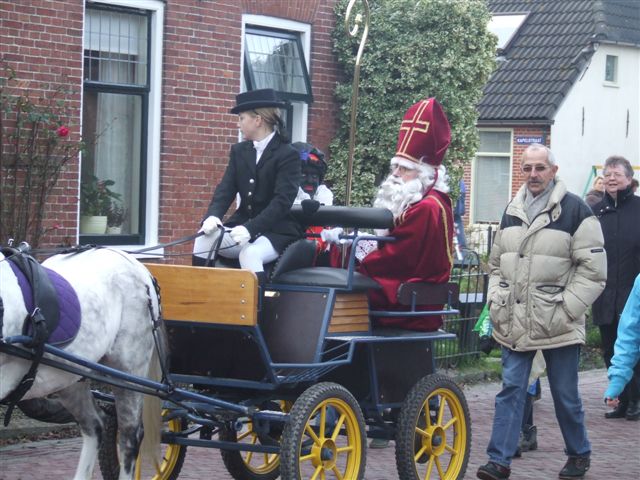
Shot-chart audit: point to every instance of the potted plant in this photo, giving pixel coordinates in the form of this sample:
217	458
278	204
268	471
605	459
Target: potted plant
95	204
115	217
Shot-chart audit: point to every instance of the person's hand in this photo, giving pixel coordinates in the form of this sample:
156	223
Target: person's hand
612	402
240	235
210	225
332	235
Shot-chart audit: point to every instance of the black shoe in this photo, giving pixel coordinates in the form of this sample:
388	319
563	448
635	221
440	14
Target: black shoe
528	440
619	412
493	471
633	411
575	468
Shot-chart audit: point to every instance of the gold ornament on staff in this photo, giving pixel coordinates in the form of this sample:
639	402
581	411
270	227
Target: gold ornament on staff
360	18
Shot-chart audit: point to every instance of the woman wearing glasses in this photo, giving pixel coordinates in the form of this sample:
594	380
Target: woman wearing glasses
619	215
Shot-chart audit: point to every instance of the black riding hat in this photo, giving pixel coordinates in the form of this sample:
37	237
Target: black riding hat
263	98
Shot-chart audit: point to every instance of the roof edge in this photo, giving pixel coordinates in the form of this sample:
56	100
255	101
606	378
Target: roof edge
603	41
515	123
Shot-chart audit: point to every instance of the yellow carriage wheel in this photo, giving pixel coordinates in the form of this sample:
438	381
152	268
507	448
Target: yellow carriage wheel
172	455
325	436
433	435
168	468
253	465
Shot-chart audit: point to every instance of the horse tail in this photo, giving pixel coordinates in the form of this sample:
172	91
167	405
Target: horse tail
152	416
158	368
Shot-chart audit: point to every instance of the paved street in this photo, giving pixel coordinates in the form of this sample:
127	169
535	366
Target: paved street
616	451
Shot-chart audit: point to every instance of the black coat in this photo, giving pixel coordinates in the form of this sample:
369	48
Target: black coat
620	223
267	191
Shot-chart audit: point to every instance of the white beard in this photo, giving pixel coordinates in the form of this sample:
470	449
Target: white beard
397	195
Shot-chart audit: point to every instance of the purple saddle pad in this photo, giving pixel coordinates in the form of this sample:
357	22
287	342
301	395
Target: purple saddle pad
69	323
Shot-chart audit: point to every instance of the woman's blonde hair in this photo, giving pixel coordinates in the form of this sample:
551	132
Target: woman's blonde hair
270	115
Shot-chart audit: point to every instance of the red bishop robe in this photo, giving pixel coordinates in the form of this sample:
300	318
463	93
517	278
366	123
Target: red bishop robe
422	252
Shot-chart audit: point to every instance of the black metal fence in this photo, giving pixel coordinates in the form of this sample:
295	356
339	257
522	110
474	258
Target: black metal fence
473	283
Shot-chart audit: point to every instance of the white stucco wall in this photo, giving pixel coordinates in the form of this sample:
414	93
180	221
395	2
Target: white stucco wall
605	118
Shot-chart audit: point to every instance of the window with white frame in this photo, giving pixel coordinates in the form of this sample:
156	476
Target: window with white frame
505	27
275	55
492	175
119	173
611	69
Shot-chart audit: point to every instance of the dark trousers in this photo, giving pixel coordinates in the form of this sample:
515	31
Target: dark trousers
527	416
608	335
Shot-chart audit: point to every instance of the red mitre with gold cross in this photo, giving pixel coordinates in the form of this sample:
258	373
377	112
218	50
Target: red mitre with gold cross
425	133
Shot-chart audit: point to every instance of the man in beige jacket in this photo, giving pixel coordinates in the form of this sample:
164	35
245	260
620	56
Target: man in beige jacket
548	265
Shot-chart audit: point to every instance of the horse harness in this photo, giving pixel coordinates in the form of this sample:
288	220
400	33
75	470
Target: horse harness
38	324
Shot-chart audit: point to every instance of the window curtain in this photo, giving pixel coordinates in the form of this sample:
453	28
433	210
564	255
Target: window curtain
116	47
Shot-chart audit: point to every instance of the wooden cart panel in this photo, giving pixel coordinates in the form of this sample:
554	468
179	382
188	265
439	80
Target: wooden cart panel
350	313
207	295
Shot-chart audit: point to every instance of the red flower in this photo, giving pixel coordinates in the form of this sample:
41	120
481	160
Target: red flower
62	131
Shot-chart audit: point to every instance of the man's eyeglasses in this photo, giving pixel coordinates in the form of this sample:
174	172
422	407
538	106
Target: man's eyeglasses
614	174
538	168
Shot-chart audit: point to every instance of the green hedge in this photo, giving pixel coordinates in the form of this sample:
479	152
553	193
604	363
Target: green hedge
415	49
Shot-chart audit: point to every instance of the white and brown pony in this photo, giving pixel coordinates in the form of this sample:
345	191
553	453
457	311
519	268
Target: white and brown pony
118	306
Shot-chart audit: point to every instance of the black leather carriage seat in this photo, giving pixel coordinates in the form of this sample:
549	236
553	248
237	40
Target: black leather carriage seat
326	277
299	254
346	217
295	264
422	293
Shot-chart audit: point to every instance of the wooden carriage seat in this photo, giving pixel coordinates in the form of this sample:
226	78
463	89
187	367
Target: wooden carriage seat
207	295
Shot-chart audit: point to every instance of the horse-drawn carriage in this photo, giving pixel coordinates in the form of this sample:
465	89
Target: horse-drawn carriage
287	380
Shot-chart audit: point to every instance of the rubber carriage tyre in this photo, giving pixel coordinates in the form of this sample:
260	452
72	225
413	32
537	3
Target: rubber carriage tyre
248	465
433	435
325	434
173	455
252	465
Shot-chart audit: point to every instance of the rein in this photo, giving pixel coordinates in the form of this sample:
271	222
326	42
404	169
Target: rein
82	248
186	239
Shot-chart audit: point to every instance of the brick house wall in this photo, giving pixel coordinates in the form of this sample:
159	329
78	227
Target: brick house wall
42	41
202	77
517	179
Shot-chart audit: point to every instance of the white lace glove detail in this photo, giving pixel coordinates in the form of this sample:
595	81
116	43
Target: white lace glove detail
240	235
332	235
364	248
210	225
